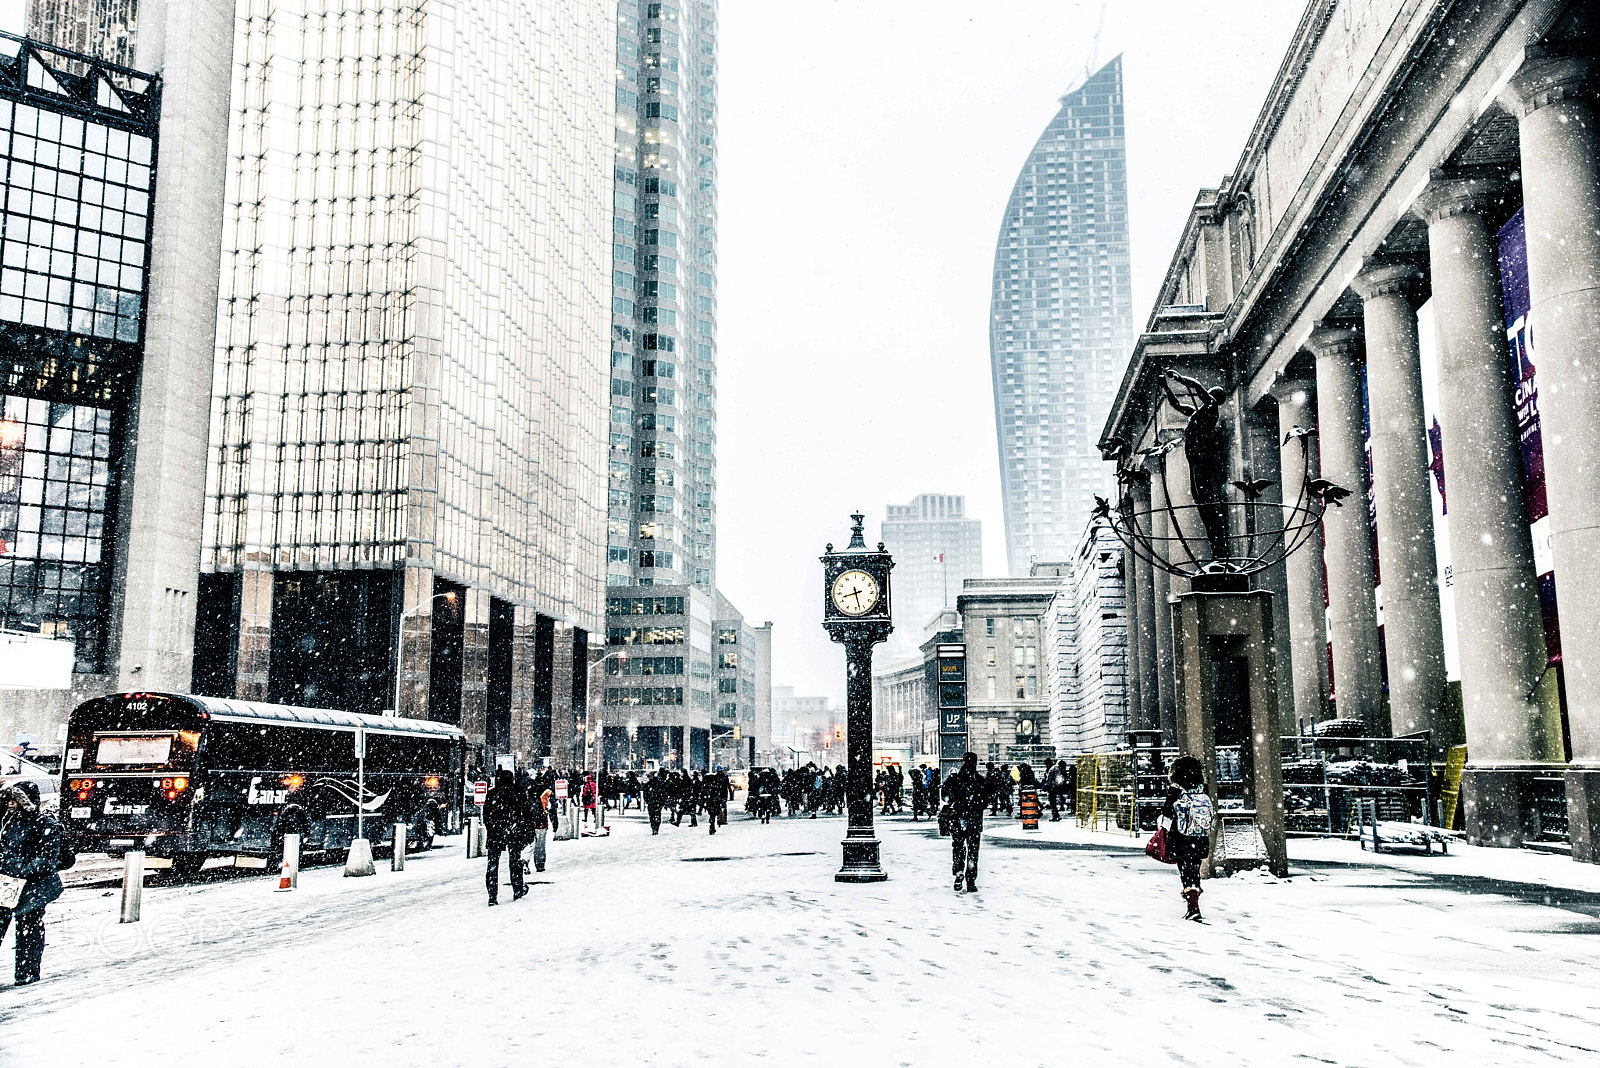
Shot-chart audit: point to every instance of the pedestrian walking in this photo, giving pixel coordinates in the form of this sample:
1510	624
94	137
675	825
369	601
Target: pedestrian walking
507	818
591	800
1186	817
715	787
30	851
1055	782
967	793
542	816
655	797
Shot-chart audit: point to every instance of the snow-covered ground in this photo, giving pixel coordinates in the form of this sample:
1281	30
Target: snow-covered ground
740	948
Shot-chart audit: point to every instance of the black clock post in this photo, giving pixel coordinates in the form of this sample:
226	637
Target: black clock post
855	598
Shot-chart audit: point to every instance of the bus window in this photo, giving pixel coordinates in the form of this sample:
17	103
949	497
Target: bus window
139	749
144	750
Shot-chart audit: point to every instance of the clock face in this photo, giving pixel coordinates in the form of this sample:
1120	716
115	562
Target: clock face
855	593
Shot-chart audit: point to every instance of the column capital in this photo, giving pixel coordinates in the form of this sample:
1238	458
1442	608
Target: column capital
1293	389
1331	339
1383	278
1550	73
1450	193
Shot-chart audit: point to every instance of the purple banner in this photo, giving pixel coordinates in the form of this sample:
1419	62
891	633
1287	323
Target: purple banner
1513	251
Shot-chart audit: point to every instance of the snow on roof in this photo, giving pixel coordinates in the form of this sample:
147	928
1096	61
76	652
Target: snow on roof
226	708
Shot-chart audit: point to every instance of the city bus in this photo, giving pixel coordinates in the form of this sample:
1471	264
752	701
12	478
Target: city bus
186	777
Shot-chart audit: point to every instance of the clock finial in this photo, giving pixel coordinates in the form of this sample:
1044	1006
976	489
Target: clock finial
857	540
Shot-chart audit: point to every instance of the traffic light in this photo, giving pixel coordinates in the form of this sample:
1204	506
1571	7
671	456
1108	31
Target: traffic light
838	732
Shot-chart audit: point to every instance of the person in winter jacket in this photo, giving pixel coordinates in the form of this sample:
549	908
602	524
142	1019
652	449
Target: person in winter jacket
30	849
968	794
591	800
655	793
715	788
1055	784
508	819
540	805
1187	776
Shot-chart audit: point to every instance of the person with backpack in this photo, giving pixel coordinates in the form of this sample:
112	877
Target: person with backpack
1055	783
31	852
1186	816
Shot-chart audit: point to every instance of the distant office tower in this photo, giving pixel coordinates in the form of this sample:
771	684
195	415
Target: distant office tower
663	302
1061	322
936	548
409	409
113	184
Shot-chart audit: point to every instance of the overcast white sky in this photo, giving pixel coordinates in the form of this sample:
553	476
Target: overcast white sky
868	149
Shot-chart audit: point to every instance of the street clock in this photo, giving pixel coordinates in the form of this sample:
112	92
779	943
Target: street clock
855	612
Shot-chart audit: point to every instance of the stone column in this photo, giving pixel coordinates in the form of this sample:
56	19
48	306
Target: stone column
1305	609
1499	626
1553	96
1347	530
1161	615
1412	627
1147	716
1134	672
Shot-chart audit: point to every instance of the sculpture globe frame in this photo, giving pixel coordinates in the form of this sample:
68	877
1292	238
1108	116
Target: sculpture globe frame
1217	544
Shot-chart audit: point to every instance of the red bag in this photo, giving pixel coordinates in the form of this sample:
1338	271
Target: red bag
1156	848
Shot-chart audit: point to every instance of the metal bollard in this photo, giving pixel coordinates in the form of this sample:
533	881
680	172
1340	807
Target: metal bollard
397	856
474	841
289	873
132	884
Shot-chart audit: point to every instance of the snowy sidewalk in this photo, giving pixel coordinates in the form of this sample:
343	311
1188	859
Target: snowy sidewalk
738	948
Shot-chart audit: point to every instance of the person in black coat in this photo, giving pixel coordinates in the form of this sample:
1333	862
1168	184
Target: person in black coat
968	794
1188	775
1055	783
30	849
509	820
714	789
655	797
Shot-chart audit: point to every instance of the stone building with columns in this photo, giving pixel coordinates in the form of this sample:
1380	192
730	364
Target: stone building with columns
1416	211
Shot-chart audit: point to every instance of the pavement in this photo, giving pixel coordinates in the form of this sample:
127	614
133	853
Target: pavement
740	948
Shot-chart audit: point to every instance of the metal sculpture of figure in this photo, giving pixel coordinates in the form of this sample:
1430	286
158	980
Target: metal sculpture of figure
1206	444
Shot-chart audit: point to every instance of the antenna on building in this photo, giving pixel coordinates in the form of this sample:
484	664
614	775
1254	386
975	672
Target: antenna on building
1094	47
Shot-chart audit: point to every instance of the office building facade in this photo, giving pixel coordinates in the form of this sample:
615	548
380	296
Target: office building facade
113	203
1061	320
936	548
406	484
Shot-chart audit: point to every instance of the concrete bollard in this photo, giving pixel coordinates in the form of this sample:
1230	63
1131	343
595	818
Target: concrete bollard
132	884
289	873
569	822
359	860
397	856
474	839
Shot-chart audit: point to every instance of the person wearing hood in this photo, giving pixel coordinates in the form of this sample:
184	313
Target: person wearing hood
30	849
508	819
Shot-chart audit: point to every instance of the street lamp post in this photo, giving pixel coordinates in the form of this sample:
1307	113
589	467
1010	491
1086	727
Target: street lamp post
400	642
591	719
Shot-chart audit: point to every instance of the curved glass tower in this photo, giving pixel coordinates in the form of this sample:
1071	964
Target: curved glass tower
1061	320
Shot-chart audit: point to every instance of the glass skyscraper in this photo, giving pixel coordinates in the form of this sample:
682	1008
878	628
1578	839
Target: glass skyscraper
1061	320
662	443
696	706
408	415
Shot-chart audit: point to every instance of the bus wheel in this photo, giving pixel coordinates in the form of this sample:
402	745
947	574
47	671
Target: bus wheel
188	865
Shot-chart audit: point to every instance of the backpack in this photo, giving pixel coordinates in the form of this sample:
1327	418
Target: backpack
1192	814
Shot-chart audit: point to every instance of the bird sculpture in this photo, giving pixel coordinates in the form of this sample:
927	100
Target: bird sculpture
1327	492
1252	488
1298	432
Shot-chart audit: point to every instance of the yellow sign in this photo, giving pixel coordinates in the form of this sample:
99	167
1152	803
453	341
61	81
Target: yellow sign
1454	761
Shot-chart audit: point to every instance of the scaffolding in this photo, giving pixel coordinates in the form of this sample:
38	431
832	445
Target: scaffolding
1105	795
